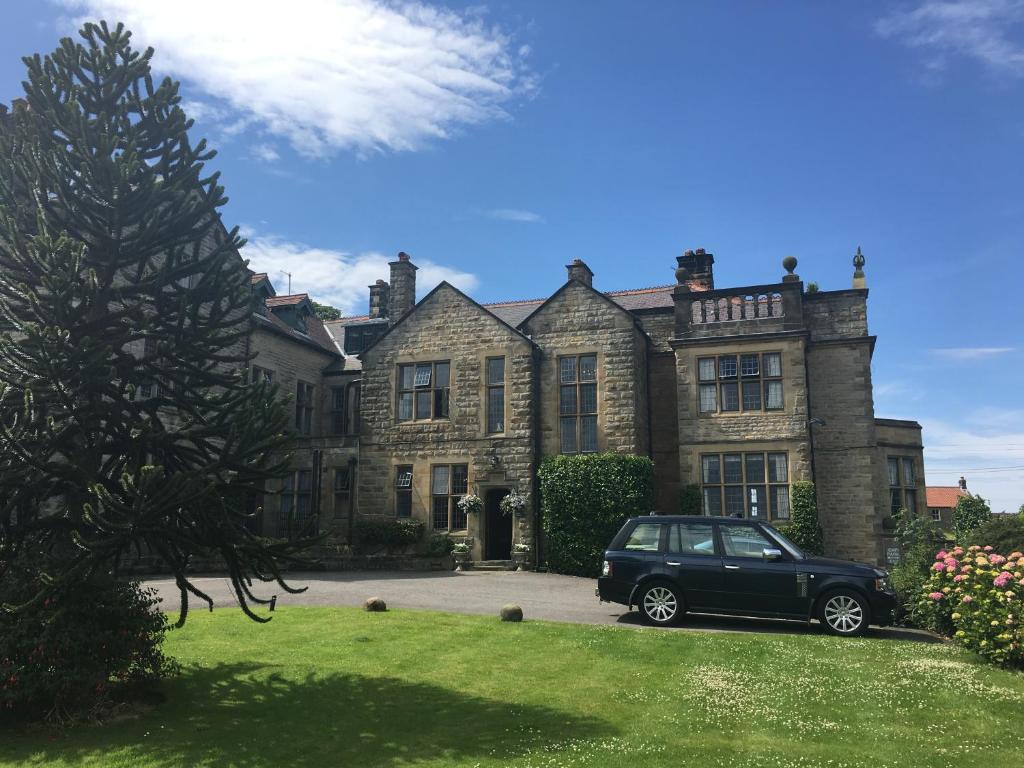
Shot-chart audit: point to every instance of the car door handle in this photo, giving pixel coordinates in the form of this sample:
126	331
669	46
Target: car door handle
672	562
732	567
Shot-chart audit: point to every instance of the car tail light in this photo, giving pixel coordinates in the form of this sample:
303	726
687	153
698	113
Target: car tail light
606	569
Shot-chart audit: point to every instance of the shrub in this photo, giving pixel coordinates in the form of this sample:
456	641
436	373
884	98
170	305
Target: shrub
1005	533
919	540
970	512
438	545
70	654
803	527
585	500
690	500
976	595
376	535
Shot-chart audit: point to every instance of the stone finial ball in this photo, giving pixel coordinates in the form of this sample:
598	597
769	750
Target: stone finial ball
682	275
375	605
789	264
511	612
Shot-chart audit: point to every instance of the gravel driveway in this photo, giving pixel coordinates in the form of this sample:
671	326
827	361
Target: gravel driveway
541	595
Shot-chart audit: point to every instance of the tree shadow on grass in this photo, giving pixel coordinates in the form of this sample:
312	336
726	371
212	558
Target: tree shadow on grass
251	715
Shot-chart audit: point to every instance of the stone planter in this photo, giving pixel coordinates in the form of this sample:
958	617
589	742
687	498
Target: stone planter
462	560
521	560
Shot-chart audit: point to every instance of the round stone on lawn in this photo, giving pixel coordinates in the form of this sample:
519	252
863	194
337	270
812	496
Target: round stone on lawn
375	604
511	612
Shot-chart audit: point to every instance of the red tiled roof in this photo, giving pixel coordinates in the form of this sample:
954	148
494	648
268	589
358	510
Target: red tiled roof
943	496
258	276
280	301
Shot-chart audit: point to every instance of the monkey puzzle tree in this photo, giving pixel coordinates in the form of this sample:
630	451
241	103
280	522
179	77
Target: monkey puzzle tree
127	421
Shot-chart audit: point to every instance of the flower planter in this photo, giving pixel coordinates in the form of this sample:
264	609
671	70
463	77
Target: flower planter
521	560
462	560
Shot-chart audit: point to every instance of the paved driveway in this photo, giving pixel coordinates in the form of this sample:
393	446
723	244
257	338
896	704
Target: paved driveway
541	595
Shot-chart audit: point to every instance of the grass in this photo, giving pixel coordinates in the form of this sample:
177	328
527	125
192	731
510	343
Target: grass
321	687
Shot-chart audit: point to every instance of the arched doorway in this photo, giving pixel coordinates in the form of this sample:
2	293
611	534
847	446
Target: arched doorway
497	527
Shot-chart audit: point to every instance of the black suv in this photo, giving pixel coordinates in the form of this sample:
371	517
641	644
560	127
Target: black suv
667	565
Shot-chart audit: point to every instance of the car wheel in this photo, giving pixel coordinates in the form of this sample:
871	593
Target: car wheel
844	612
660	604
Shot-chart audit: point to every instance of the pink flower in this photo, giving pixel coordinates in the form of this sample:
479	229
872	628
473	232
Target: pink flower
988	547
936	595
959	577
996	559
942	555
967	599
939	567
957	552
1002	579
951	562
967	569
973	548
1016	555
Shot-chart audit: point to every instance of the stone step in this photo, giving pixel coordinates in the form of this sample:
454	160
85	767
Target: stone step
493	565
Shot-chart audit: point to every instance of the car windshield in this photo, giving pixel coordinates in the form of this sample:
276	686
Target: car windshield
794	550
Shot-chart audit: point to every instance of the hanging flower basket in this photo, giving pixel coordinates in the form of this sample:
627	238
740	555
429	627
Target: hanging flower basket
514	504
471	504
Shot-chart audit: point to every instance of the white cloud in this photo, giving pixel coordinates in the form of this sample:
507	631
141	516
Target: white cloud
264	153
970	353
336	277
515	214
330	75
978	29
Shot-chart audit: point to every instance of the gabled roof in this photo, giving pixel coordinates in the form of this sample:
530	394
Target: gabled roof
445	284
633	299
258	277
943	496
293	299
602	296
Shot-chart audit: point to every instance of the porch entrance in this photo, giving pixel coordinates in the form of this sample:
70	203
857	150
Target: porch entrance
497	527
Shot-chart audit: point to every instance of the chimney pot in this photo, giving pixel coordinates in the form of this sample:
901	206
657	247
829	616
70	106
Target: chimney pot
700	251
578	270
699	265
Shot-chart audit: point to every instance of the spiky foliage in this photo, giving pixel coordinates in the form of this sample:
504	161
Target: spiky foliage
127	423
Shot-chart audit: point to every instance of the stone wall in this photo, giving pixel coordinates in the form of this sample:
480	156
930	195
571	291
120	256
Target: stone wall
897	438
447	326
664	432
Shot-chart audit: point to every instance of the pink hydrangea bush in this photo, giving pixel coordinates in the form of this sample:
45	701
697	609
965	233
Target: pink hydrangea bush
977	596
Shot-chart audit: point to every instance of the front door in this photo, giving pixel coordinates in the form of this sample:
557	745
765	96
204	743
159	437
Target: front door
497	527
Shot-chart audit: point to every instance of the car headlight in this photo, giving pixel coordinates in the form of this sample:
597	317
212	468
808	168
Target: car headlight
882	583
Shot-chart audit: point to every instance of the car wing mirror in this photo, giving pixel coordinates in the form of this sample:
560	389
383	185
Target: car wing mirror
770	553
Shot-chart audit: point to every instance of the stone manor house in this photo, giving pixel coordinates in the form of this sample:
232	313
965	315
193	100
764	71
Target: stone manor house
740	391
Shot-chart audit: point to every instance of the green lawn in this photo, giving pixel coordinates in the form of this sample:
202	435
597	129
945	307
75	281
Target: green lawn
321	687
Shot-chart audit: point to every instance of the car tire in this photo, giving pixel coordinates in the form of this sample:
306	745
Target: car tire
844	612
660	604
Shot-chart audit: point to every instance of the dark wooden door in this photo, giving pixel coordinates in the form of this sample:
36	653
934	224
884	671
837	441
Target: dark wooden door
497	527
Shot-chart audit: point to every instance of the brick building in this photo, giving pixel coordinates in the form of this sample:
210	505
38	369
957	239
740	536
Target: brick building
740	391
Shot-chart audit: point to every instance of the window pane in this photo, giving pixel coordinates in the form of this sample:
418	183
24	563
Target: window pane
423	373
751	396
749	365
588	434
711	469
908	472
341	479
778	470
730	396
706	369
423	405
734	506
568	430
713	501
403	504
644	538
403	477
708	398
337	398
895	500
910	499
755	467
780	502
567	399
773	395
458	516
405	376
743	541
733	468
692	539
727	367
588	368
405	406
460	479
567	370
305	480
496	370
894	472
439	484
440	513
442	374
496	409
588	398
772	364
441	403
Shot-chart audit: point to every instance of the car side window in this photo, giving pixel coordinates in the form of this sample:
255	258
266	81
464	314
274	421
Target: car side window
644	538
691	539
744	541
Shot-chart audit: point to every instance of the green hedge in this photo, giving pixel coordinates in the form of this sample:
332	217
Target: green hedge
373	535
1005	533
585	501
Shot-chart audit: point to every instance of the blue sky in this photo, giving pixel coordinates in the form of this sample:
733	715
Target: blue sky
497	142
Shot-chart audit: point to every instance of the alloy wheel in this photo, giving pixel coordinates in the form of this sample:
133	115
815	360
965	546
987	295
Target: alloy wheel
844	614
660	604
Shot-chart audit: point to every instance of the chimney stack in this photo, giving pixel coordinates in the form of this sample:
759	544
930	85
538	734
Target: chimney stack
699	266
379	294
963	483
578	270
402	293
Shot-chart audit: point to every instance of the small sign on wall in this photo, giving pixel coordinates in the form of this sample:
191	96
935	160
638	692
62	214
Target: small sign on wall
892	554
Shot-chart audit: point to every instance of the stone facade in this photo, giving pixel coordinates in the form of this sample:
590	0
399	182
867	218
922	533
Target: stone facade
738	391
